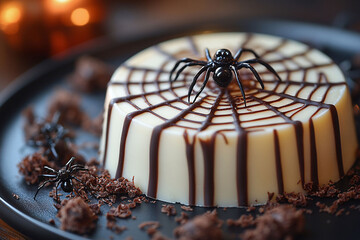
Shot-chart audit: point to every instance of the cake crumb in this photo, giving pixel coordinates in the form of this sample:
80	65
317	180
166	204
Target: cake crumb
280	222
32	166
204	226
77	216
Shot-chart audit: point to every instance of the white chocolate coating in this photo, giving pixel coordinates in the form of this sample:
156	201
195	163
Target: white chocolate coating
217	151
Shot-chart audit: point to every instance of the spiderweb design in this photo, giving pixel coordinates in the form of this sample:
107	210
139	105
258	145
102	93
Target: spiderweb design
276	105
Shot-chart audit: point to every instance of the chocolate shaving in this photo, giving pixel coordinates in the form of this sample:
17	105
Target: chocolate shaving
296	199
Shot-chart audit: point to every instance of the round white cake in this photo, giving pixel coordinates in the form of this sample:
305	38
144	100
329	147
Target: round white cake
217	151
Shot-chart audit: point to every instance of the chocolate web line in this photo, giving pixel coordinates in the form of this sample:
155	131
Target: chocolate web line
227	101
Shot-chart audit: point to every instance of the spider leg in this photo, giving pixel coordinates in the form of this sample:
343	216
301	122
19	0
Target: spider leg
195	79
50	169
268	67
68	164
79	181
182	69
78	166
53	151
48	175
42	185
184	60
78	169
36	143
56	187
241	50
56	117
256	74
239	83
207	53
204	84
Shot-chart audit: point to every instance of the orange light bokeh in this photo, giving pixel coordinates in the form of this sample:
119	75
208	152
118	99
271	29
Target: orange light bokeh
10	15
55	7
80	17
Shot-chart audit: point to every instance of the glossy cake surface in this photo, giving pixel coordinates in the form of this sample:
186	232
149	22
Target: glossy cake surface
217	151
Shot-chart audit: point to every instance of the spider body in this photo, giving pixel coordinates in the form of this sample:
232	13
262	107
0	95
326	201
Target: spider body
223	66
50	134
64	177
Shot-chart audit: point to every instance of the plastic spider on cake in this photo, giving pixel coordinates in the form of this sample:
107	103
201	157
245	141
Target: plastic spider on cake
223	66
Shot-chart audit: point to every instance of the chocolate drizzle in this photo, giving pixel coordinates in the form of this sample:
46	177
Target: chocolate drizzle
279	174
216	100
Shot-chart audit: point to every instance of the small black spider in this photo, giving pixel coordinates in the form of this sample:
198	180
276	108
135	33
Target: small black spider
64	177
223	66
49	135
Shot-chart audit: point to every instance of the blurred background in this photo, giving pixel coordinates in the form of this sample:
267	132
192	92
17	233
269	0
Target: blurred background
34	30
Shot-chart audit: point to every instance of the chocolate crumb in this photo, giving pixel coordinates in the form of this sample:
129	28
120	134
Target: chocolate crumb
244	221
95	208
184	217
251	209
52	221
158	236
90	75
168	209
151	227
16	196
32	166
281	222
296	199
205	226
261	210
114	227
77	216
121	211
340	212
187	208
68	105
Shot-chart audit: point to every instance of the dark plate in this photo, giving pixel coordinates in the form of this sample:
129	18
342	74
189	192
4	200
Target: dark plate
36	87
